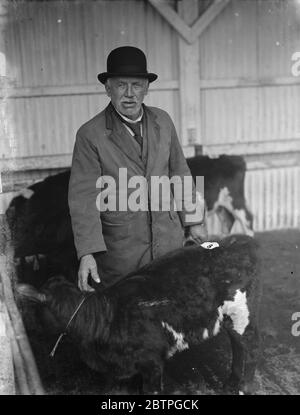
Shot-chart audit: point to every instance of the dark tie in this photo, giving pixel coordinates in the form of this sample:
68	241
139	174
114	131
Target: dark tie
136	129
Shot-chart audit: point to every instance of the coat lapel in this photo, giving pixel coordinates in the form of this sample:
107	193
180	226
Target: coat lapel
122	140
153	135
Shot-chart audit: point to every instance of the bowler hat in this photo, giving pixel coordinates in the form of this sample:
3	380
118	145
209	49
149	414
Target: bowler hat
126	61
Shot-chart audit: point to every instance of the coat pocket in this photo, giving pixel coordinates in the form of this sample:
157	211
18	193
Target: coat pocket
116	225
116	218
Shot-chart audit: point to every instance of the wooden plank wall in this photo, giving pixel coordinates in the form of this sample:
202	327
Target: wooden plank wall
250	101
55	50
246	96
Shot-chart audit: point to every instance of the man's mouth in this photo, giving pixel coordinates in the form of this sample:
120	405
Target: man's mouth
129	104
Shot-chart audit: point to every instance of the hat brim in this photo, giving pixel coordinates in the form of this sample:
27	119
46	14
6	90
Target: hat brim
102	77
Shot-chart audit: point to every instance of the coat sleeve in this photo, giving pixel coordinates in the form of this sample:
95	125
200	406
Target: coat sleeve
191	198
85	216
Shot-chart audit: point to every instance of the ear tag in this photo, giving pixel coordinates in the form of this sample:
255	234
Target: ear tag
210	245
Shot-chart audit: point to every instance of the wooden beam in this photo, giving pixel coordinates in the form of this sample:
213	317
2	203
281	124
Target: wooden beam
68	90
248	82
32	382
255	147
272	161
173	19
36	162
189	69
207	17
190	33
271	154
7	378
171	85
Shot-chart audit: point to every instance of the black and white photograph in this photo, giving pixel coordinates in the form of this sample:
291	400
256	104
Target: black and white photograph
149	200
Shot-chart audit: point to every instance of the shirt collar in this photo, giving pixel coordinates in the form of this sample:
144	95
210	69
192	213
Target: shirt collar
128	119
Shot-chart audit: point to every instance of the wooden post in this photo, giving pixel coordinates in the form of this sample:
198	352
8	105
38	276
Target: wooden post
189	81
7	379
26	373
189	25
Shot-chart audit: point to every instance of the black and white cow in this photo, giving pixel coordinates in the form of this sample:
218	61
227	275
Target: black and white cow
224	182
130	329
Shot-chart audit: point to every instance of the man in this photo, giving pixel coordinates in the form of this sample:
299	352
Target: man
126	135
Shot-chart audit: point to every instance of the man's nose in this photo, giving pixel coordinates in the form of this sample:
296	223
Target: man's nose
129	91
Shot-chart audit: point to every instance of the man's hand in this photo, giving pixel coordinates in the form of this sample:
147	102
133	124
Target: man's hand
198	233
87	266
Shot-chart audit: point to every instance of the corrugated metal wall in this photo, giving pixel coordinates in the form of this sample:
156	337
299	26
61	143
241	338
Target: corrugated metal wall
274	197
249	101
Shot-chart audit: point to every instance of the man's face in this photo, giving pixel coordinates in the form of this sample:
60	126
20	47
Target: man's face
127	95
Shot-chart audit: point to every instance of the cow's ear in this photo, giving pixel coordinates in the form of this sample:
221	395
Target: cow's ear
31	293
189	241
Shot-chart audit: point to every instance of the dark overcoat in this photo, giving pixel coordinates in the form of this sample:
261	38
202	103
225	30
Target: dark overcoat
128	239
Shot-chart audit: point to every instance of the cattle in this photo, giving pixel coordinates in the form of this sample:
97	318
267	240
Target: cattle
130	329
40	222
223	171
224	192
39	217
42	235
41	231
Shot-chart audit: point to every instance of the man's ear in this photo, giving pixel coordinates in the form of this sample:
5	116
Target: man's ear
107	89
147	88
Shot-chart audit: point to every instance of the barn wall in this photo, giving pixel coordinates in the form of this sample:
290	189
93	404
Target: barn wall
248	99
55	50
245	58
250	102
274	197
